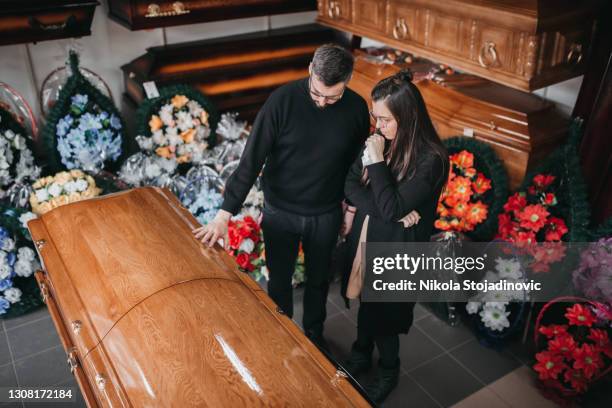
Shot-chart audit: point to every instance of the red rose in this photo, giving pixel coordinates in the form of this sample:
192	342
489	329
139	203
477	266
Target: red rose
549	199
234	238
579	315
244	261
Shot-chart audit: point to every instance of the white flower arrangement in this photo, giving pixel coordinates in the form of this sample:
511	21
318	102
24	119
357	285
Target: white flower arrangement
62	188
492	306
16	160
141	169
13	263
204	205
178	131
88	136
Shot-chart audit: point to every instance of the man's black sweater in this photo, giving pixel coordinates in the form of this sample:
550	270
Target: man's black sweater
307	151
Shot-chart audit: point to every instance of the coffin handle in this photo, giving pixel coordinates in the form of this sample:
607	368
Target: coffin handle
338	377
69	23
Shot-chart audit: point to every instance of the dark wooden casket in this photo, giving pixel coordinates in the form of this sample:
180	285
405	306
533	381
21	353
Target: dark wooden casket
237	72
139	14
522	128
24	21
524	44
150	317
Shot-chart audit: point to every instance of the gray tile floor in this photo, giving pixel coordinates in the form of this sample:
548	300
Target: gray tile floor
440	365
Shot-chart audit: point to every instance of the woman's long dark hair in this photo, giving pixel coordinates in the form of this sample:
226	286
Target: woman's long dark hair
416	135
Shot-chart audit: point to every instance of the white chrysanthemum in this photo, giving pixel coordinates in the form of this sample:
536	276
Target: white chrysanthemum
174	139
25	254
144	143
81	185
70	187
496	305
494	318
158	137
8	245
25	217
152	171
165	114
55	190
194	108
19	142
13	295
184	121
247	245
167	165
508	268
24	268
5	270
472	307
42	195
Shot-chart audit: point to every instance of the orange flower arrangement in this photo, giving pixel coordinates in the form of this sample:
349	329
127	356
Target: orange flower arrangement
461	207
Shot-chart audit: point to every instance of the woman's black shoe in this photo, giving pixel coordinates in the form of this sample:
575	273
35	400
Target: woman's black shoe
358	363
385	381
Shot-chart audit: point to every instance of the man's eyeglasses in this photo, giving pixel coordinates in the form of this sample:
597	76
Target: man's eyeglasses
383	119
331	98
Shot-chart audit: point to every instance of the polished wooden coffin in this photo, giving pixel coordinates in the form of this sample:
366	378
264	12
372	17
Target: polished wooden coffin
237	72
524	44
139	14
149	317
522	128
24	21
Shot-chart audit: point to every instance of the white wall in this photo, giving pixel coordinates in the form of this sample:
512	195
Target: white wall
25	66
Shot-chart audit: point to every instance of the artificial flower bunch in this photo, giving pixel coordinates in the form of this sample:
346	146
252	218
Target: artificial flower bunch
88	136
246	245
179	131
529	217
577	353
147	170
593	277
63	188
203	198
493	307
14	262
461	207
17	166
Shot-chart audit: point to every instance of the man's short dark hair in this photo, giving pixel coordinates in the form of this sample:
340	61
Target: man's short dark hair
332	64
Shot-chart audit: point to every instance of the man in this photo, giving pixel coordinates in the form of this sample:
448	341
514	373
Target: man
307	133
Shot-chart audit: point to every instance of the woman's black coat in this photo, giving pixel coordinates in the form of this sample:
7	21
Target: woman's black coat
386	201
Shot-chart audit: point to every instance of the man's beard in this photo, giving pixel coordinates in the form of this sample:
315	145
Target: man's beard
317	105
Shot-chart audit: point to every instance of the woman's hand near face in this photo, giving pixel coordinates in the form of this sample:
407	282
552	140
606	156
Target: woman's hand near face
376	147
411	219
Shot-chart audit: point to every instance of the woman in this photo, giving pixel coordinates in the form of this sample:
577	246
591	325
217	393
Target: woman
402	171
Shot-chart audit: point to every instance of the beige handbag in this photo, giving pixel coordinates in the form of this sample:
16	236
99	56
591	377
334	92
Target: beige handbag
355	282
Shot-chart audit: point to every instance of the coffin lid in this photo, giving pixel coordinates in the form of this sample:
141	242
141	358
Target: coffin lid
177	323
111	253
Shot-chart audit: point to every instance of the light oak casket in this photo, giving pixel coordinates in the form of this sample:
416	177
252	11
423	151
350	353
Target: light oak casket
149	317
